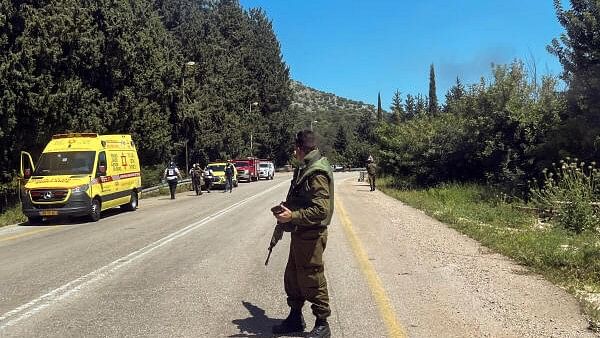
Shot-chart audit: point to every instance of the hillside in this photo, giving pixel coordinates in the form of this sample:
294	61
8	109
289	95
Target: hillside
329	110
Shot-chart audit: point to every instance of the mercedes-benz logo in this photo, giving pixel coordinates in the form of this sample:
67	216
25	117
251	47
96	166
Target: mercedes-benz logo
47	195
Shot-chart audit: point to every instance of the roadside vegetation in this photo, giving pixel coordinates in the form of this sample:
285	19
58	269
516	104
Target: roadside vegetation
12	215
511	160
567	258
186	74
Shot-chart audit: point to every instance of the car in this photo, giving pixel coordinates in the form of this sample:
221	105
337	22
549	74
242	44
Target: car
266	170
247	169
337	167
218	169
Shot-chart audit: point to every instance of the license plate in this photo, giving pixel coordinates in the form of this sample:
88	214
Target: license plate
48	213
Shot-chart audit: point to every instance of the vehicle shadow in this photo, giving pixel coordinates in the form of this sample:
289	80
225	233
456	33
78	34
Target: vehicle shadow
258	324
63	220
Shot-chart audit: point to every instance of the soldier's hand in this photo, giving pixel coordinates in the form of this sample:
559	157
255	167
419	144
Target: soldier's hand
285	216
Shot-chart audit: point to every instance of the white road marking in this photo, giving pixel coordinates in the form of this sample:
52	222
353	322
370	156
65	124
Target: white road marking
27	310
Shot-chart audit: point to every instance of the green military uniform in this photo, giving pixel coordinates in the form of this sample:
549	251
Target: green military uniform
197	174
310	199
372	171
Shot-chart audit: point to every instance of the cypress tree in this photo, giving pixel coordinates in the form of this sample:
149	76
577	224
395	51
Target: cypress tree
379	110
433	102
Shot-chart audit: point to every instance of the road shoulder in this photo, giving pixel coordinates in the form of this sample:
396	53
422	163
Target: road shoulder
442	283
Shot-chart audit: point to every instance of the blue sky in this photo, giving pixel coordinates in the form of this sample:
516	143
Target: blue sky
355	48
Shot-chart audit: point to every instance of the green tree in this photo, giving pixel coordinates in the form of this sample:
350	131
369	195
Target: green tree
454	97
397	108
410	106
421	105
433	102
379	110
341	140
578	50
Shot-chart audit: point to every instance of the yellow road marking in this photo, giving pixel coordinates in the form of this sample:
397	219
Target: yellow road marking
394	329
26	234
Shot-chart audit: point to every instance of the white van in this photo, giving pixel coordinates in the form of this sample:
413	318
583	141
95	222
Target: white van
266	170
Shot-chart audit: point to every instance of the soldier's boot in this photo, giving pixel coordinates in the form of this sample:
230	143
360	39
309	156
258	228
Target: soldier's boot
321	330
293	323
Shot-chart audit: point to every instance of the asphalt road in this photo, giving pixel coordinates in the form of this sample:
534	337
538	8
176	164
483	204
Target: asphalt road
194	267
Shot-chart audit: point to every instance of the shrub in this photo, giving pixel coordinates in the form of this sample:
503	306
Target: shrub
570	189
152	175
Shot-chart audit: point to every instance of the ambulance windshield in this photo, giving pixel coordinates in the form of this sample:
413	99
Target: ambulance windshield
66	163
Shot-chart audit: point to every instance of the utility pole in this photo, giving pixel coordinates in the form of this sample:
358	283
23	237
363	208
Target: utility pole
251	132
185	65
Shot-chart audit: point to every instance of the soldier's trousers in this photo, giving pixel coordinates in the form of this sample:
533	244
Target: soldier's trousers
304	277
372	182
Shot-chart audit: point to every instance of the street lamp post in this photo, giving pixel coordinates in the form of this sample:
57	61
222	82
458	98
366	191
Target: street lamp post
190	64
250	114
311	124
187	64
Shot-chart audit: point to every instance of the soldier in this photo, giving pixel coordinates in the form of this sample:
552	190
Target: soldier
229	176
308	209
196	173
372	171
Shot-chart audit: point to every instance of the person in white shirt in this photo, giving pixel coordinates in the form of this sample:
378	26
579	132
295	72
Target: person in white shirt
171	175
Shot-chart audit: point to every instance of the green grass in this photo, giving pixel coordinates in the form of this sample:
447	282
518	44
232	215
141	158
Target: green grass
12	216
565	258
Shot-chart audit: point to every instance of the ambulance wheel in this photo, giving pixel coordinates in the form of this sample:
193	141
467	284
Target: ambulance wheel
95	210
34	220
133	203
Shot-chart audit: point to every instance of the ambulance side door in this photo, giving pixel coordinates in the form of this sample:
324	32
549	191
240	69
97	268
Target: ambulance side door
103	177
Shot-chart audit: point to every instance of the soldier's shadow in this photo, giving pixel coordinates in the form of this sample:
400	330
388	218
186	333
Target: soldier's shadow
258	324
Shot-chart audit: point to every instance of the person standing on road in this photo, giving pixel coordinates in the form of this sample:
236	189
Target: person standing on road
208	178
229	176
196	174
308	209
371	171
171	174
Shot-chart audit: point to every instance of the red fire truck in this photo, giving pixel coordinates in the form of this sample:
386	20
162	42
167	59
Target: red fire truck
247	169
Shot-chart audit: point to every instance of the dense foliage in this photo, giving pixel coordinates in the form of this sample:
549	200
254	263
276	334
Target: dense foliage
505	130
486	132
170	72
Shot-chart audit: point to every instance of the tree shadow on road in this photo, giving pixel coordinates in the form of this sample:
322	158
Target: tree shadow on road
258	325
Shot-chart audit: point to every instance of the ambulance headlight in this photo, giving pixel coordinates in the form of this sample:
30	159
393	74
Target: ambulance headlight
81	188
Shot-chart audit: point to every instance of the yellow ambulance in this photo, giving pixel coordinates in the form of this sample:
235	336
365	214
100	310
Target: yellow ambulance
81	174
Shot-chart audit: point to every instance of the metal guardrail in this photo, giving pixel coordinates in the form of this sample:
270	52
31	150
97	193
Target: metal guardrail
164	185
189	180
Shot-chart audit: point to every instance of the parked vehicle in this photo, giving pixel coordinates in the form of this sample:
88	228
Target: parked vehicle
247	169
337	167
81	174
266	169
218	169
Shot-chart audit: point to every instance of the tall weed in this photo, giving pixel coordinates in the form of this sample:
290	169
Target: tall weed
569	190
